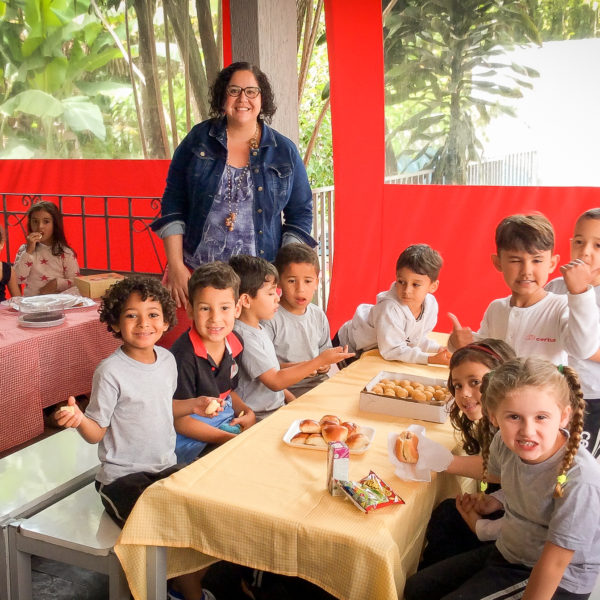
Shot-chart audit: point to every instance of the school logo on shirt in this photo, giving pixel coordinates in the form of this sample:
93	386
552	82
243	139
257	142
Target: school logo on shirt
532	338
234	370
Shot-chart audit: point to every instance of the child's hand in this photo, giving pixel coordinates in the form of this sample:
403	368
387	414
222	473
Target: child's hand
332	356
69	415
32	239
201	403
460	336
487	504
50	288
245	419
442	357
465	505
288	396
577	276
322	370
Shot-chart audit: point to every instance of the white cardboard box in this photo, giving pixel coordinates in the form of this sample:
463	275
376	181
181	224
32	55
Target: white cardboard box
401	407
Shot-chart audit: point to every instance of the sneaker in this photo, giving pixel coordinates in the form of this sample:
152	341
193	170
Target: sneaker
174	595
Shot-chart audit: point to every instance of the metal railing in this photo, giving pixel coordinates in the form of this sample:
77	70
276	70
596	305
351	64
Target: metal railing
519	168
112	233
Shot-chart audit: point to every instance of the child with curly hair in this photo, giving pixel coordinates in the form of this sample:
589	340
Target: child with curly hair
549	544
448	533
130	414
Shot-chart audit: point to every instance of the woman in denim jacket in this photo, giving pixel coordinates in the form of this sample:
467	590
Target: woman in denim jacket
230	182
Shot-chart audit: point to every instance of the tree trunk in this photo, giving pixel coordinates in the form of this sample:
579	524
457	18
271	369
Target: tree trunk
177	12
313	138
207	37
152	108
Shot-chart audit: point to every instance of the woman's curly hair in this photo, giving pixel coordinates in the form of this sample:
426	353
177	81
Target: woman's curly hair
218	91
147	287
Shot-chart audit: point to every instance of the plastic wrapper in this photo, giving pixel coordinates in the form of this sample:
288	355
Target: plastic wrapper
370	493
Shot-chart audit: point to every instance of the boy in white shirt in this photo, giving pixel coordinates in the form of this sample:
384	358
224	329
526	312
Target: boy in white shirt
404	315
299	329
585	247
262	382
533	321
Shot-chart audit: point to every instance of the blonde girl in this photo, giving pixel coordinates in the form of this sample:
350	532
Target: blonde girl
549	545
45	264
447	533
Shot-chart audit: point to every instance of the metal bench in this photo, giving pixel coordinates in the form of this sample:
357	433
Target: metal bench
77	531
37	476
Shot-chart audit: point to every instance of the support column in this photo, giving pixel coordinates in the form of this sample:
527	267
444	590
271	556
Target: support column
263	32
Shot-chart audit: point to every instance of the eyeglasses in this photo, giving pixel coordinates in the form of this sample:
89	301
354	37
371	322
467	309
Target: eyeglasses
236	90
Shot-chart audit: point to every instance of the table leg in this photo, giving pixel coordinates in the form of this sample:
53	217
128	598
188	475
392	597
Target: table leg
156	572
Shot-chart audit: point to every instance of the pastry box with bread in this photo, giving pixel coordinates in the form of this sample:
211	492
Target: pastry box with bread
392	394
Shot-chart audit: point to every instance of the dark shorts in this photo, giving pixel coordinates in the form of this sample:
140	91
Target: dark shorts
590	436
120	496
481	574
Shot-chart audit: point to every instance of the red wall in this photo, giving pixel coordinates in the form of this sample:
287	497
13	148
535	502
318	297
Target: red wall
374	222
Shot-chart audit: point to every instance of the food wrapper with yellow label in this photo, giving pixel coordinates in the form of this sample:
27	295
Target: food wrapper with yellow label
370	493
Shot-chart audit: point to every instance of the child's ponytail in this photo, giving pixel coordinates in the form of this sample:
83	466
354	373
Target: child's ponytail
487	432
575	426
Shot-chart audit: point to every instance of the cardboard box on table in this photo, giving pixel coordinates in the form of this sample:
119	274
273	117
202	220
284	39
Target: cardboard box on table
403	407
95	286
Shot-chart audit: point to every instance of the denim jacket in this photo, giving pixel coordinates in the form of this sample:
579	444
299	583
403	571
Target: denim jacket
280	186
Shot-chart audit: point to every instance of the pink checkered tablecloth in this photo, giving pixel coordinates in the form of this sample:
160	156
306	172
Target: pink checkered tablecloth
40	367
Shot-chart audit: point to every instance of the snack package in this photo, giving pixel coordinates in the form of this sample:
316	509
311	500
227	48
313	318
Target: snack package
370	493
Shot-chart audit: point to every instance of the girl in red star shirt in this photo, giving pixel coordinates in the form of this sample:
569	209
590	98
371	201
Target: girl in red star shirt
45	264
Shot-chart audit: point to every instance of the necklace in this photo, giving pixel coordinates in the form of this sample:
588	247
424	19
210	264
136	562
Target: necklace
233	186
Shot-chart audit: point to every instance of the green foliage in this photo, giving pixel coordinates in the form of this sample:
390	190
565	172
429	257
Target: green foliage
316	92
440	58
565	19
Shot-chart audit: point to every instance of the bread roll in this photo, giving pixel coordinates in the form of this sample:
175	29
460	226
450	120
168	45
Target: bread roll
406	447
310	426
70	409
315	439
334	433
331	418
351	427
357	441
212	407
299	438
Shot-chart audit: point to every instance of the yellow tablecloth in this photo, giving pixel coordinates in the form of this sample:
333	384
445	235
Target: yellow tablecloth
258	502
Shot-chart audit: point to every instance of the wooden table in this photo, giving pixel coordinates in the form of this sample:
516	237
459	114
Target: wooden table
259	502
40	367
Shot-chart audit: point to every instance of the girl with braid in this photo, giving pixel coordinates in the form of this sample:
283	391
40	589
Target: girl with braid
549	544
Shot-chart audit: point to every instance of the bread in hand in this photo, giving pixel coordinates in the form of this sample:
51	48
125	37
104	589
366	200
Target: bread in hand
406	449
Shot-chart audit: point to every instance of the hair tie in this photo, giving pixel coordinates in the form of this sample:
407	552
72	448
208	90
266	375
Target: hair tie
561	479
561	369
483	486
487	350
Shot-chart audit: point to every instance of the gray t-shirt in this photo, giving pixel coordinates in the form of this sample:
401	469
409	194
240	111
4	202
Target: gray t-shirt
533	516
258	358
298	338
134	401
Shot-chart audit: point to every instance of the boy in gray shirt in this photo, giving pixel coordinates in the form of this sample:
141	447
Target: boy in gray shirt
300	329
263	384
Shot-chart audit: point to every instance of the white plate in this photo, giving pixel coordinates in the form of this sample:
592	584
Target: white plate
68	301
295	428
52	323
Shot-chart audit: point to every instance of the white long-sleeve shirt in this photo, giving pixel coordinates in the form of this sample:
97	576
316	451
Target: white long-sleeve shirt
588	370
553	328
391	326
34	271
